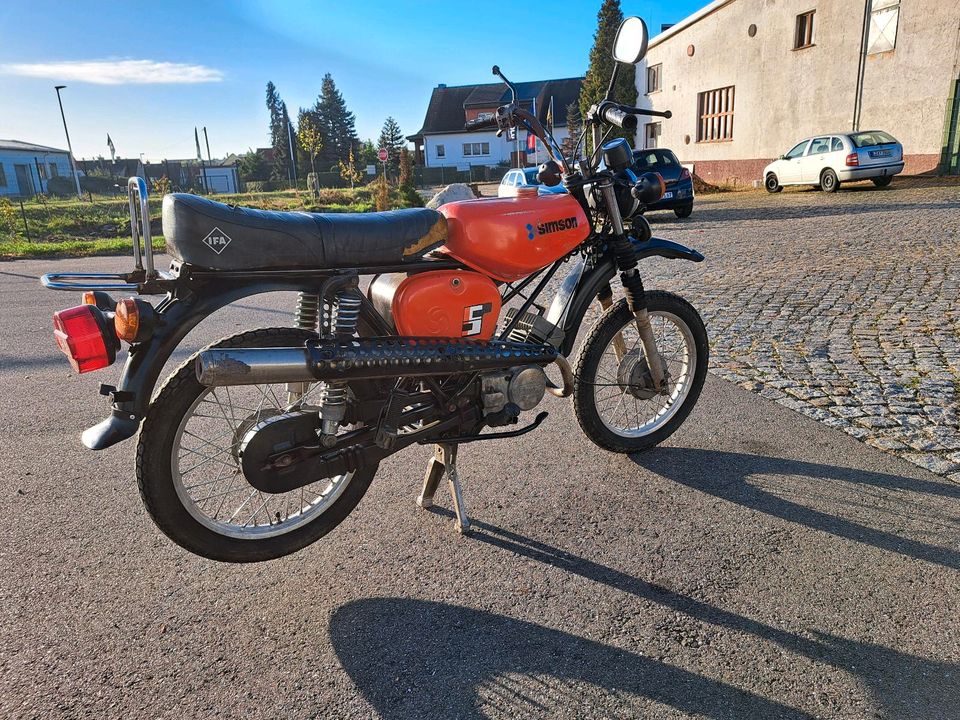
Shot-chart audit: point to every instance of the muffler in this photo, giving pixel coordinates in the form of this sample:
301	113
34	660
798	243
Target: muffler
364	359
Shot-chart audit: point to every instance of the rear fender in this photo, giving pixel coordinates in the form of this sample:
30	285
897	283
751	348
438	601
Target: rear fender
585	281
176	317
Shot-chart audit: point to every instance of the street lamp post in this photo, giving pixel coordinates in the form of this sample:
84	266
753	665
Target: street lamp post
73	165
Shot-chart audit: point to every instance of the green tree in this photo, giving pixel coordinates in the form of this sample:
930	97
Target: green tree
310	137
368	153
601	67
279	138
391	139
574	130
254	166
409	197
349	171
336	122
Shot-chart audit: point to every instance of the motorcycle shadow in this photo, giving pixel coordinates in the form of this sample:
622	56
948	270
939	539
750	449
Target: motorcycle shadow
422	659
413	658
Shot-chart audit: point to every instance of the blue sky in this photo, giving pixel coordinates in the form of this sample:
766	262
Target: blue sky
208	62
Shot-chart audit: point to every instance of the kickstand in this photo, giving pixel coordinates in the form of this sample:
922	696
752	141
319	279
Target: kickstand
444	460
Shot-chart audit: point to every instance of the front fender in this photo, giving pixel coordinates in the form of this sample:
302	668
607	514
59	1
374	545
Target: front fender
584	282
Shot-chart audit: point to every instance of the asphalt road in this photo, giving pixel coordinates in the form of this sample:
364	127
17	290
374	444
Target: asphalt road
760	565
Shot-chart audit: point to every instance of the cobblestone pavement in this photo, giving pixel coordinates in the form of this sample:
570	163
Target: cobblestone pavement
842	307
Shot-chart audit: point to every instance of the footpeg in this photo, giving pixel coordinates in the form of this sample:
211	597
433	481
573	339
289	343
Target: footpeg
444	461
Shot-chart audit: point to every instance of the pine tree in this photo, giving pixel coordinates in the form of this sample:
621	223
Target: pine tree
337	124
391	139
601	67
279	140
368	153
574	130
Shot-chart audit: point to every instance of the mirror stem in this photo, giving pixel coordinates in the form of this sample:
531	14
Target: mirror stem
613	80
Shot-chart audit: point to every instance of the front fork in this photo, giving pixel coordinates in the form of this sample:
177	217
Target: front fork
633	288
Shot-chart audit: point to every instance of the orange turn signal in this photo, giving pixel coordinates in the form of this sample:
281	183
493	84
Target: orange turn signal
133	320
89	298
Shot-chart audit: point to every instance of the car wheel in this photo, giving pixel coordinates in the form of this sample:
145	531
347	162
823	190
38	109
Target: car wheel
772	184
882	181
683	211
829	181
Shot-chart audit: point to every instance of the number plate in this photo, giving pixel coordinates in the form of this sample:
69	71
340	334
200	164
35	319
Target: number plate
667	196
879	153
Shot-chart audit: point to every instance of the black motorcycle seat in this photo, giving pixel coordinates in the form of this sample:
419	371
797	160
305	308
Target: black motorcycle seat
212	235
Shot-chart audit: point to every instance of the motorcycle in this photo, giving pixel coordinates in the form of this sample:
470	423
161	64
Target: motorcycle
263	442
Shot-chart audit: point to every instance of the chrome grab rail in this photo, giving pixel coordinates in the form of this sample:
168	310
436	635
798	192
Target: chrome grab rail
144	271
55	281
137	185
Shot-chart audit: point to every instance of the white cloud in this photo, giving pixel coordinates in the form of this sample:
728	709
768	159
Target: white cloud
116	72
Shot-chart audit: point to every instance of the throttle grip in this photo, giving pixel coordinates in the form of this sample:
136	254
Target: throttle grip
616	116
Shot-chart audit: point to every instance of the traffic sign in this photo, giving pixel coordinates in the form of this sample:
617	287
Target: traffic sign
382	155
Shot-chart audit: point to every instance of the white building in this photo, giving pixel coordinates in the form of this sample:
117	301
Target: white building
748	79
26	168
442	142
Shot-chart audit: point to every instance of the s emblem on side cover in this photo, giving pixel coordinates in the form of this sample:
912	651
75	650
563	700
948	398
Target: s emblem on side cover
217	240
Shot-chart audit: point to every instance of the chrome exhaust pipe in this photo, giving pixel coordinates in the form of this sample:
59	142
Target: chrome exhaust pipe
217	367
366	359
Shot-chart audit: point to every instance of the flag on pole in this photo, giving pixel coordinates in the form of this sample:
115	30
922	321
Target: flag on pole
196	137
550	116
113	150
531	143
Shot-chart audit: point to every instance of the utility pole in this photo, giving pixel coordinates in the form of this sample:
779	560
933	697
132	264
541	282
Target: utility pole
293	160
207	141
73	165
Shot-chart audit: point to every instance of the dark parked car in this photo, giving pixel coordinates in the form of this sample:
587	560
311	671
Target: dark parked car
679	194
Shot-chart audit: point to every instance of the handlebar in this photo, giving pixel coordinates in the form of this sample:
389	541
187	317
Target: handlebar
479	124
615	116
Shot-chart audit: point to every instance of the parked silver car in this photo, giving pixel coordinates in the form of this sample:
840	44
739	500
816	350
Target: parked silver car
524	177
825	161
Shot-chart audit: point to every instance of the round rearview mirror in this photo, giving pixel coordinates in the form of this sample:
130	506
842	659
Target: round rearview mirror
630	44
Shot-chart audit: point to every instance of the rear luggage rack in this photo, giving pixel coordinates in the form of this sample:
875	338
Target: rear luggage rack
143	273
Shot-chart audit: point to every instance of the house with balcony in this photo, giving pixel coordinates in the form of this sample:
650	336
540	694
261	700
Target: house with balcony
442	141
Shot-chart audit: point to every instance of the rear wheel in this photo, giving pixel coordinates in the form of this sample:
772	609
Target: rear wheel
829	181
684	211
188	466
614	397
882	181
772	184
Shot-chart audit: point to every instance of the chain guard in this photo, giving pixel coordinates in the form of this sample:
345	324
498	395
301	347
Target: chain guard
271	436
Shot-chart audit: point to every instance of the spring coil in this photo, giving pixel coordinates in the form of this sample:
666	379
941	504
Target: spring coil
308	311
343	316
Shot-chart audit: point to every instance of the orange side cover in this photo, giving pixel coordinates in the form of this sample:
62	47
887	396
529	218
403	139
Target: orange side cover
447	303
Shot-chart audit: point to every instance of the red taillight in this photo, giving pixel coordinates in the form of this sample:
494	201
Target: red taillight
82	334
684	174
853	160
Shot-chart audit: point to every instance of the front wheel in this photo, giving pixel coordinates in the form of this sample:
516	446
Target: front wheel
772	184
189	472
614	398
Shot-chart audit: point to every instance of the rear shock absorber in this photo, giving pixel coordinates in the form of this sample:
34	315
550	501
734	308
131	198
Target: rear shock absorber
308	311
344	313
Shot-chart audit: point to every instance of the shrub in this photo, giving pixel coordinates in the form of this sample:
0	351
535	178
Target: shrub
62	186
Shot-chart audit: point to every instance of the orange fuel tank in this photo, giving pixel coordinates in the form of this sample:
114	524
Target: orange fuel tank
446	303
509	238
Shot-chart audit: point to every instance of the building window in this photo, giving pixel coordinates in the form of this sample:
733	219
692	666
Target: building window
884	19
652	136
475	149
54	170
441	151
653	78
41	171
715	112
803	38
3	176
